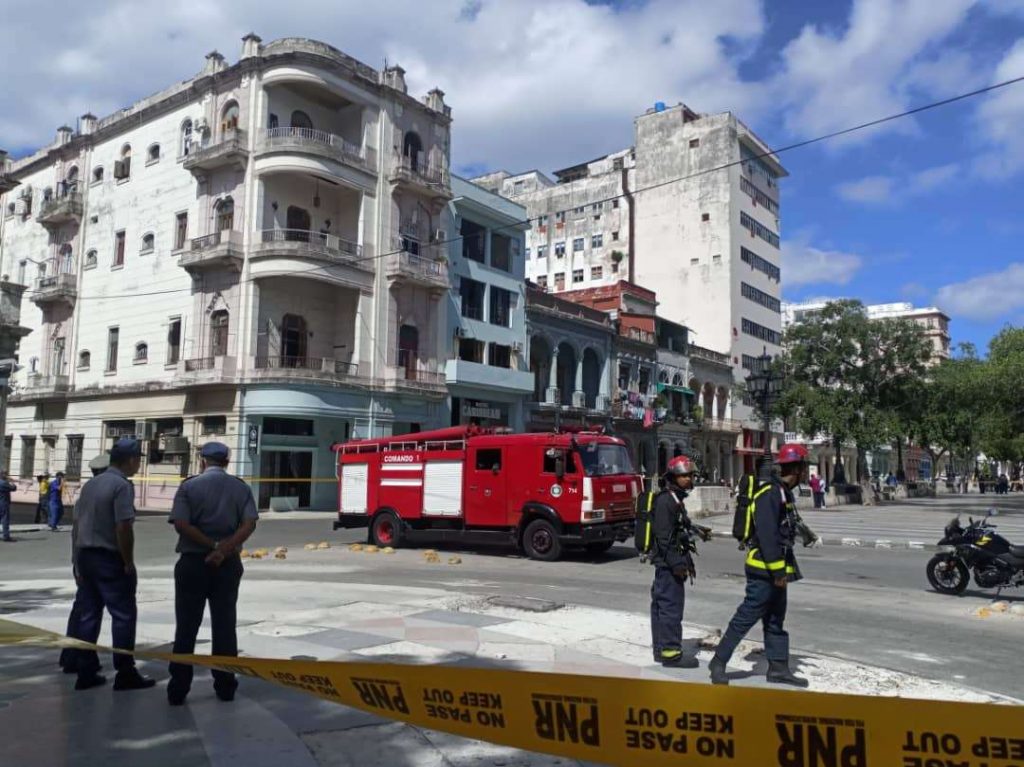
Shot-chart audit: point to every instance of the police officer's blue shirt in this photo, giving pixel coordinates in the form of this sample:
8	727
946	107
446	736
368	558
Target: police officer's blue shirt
105	500
215	502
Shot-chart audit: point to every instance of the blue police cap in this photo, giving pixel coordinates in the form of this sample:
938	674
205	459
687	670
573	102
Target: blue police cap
126	447
218	451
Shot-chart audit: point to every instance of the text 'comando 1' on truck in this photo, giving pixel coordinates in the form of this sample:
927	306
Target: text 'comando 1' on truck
538	492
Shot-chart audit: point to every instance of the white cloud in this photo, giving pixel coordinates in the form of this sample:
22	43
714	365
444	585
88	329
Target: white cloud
867	189
999	118
804	264
539	82
992	296
885	190
831	80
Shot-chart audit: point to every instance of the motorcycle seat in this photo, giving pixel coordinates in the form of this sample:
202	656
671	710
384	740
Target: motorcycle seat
1017	551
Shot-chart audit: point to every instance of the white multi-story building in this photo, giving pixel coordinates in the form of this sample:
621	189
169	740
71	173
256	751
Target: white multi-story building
691	211
233	258
487	370
932	320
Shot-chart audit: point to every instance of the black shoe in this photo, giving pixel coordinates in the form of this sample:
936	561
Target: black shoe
680	661
779	673
176	699
88	682
132	680
226	694
717	669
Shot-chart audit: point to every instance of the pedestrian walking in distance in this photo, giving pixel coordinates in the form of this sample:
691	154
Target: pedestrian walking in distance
673	564
770	567
56	500
104	545
43	507
69	657
6	488
214	514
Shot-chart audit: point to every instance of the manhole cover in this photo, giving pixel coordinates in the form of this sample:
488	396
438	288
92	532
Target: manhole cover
529	604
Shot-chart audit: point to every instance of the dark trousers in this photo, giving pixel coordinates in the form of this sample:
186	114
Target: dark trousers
195	584
42	509
668	597
68	656
103	583
819	499
765	602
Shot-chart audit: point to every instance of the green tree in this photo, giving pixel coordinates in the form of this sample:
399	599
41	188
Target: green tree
849	376
1002	435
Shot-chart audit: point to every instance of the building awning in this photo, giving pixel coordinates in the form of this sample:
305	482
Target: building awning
669	387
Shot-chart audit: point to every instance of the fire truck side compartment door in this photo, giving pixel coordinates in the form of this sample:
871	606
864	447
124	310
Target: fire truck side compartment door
354	488
442	489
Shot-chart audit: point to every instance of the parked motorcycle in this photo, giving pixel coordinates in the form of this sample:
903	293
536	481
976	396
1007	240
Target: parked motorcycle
996	562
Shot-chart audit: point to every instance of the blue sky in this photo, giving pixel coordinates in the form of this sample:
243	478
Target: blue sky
924	210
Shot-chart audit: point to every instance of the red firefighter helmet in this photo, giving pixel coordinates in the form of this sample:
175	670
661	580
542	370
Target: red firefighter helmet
681	465
790	453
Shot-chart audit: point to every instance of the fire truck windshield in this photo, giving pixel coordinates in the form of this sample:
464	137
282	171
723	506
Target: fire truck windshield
600	460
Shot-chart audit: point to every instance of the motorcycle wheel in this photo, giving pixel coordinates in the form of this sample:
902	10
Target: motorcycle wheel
947	574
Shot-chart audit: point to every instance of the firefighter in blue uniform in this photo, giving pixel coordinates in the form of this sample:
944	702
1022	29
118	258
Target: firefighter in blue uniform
770	567
673	564
213	514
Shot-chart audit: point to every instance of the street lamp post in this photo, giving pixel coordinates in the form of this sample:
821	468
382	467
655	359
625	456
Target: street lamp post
765	387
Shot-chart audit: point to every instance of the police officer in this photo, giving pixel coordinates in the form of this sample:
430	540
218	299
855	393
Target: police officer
673	564
770	568
69	657
214	514
104	557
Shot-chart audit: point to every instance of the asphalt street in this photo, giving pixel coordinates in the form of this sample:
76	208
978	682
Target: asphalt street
868	605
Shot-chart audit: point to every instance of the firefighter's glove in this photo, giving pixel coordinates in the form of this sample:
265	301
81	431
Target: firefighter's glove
704	533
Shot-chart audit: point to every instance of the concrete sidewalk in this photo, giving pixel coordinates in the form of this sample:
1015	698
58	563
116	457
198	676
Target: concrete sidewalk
299	614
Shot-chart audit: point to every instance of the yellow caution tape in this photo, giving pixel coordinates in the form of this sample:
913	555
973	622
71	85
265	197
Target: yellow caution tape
631	722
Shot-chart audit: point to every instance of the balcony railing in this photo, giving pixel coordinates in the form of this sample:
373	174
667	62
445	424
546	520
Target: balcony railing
56	210
727	425
699	352
413	378
310	244
216	250
305	367
39	385
421	174
417	268
199	364
232	149
56	287
320	142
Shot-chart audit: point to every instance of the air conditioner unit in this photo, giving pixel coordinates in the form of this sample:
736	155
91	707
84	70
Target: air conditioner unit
120	169
174	445
113	431
438	235
145	429
517	347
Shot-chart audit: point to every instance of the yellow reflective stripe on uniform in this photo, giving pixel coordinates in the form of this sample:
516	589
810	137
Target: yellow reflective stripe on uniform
754	560
779	564
671	653
648	526
750	507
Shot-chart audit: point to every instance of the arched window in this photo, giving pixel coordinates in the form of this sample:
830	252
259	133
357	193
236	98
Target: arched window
48	194
219	333
153	153
186	138
148	243
409	350
229	117
123	167
301	120
67	258
11	208
225	214
141	352
97	174
412	147
84	359
91	258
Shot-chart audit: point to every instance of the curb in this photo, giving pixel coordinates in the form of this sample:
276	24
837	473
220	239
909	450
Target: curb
880	543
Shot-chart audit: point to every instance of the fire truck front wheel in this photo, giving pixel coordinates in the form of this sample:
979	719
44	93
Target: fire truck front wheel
386	530
540	541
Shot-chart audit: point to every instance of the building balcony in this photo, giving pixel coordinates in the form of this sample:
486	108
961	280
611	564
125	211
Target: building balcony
39	386
420	177
464	373
7	181
417	269
207	370
231	151
56	288
216	251
300	369
57	211
320	144
311	246
721	425
412	380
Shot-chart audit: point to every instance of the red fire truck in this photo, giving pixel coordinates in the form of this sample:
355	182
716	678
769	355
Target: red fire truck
538	492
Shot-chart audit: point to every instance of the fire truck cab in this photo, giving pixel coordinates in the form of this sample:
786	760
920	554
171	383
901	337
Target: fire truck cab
538	492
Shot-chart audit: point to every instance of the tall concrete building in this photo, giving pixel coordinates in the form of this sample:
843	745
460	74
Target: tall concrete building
250	255
691	211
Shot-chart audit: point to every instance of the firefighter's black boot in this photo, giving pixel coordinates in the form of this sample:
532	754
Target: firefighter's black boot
779	673
680	661
717	669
